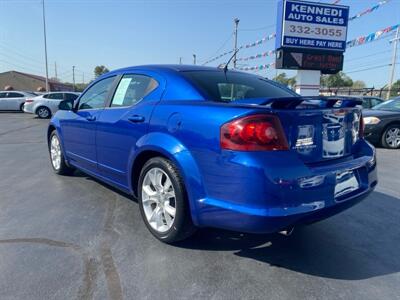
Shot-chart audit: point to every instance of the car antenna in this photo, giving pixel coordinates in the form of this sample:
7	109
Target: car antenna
227	64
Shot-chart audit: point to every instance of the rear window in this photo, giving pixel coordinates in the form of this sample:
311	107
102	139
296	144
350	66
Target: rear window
231	86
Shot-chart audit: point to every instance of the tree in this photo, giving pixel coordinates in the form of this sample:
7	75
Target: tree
358	84
336	80
281	78
395	90
100	70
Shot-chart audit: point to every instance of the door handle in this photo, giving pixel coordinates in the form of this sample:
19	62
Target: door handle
136	119
91	118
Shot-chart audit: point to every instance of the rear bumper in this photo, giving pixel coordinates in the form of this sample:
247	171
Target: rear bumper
28	108
294	197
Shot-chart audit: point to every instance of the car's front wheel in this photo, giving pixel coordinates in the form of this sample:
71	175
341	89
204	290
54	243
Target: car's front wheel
56	156
43	112
163	202
391	137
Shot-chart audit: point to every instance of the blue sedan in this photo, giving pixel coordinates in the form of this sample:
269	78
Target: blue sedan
211	147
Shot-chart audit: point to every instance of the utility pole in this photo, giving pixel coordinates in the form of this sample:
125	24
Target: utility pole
391	78
83	77
55	70
45	47
236	21
194	59
180	60
73	77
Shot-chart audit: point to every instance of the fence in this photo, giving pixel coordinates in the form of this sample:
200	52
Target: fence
381	93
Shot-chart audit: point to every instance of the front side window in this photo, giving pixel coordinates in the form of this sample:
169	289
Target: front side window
231	86
96	95
14	95
375	101
69	96
3	95
55	96
131	89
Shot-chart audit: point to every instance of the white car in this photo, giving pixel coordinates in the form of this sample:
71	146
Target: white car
46	105
14	100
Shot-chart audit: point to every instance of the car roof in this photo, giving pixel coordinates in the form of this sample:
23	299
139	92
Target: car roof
16	92
58	92
173	68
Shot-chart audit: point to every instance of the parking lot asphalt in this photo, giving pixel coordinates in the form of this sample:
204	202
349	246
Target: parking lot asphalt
75	238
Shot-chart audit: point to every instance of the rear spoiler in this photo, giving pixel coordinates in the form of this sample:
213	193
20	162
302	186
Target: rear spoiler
312	101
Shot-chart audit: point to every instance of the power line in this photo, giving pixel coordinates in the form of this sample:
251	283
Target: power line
366	69
258	29
221	47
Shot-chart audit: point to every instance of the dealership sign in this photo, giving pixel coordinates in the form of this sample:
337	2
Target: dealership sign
311	25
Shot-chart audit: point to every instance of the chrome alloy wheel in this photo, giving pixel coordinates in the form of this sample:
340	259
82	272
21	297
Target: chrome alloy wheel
55	152
43	113
392	137
158	199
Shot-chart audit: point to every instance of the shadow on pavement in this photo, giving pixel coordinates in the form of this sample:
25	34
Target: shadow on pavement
329	249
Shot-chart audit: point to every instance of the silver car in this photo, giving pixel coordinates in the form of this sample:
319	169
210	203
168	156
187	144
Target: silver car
14	100
46	105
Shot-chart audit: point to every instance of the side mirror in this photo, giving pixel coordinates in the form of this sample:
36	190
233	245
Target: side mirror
66	105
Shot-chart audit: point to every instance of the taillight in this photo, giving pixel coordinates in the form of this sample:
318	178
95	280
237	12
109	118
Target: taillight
361	128
28	100
254	133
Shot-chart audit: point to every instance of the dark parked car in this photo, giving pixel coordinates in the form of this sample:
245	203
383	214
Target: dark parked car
382	124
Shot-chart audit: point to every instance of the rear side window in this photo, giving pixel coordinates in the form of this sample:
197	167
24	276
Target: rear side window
68	96
231	86
365	103
131	89
96	95
14	95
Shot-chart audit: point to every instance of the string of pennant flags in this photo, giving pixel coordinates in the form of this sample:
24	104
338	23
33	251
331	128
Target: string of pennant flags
371	37
258	68
369	10
260	55
273	35
256	43
352	43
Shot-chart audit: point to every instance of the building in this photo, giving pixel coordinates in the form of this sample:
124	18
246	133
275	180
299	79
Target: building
28	82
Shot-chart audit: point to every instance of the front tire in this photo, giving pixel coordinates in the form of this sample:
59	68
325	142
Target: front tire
43	112
163	202
56	156
391	137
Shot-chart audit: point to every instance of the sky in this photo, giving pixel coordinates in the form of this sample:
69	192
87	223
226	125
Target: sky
120	33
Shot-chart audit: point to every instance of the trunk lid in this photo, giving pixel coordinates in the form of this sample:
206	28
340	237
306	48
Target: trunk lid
317	128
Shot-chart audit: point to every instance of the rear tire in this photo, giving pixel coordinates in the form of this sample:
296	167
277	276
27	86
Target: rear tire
163	201
21	107
43	112
391	137
56	156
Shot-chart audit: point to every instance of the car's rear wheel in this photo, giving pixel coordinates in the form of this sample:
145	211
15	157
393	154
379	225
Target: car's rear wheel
163	202
21	107
391	137
56	156
43	112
